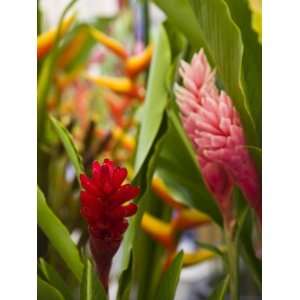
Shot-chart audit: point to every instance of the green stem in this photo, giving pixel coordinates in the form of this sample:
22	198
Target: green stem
233	264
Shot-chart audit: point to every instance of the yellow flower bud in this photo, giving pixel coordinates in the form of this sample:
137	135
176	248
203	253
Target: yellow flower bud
161	190
117	84
196	257
189	218
160	231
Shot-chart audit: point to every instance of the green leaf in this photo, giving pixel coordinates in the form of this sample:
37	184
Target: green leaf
143	179
252	58
220	291
46	291
91	288
150	138
244	236
253	263
212	248
125	281
179	10
248	253
225	45
256	154
169	280
156	98
147	251
178	167
144	173
222	45
58	235
54	278
69	146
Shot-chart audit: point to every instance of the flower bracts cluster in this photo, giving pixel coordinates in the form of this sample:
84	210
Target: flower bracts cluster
214	127
105	207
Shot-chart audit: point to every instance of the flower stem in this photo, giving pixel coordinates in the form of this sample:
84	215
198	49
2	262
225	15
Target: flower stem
233	263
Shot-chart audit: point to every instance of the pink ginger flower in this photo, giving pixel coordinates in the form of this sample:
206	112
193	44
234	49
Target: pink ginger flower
213	125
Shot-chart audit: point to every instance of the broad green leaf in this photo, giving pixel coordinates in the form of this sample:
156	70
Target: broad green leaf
169	280
178	167
177	42
68	144
91	288
156	98
45	78
220	290
143	179
222	45
58	235
46	291
156	123
181	15
173	43
54	278
125	281
147	251
252	58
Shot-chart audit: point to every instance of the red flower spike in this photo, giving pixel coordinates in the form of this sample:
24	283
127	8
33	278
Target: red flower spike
105	207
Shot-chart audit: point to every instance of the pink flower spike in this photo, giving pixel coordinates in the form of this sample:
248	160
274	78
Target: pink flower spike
213	126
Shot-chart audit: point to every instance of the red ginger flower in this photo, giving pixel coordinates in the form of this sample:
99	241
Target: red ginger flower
105	207
214	127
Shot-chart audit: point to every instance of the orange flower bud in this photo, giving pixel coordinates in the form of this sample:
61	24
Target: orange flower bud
112	44
138	63
46	40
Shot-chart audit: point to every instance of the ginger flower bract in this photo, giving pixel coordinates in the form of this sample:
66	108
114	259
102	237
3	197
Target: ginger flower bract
213	125
105	207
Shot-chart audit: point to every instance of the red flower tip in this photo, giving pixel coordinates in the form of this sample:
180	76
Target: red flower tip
105	207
